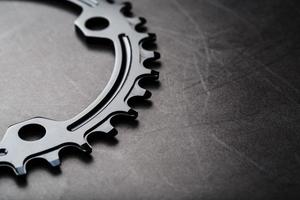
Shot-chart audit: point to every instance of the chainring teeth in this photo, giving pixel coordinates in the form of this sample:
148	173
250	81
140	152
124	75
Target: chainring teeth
130	90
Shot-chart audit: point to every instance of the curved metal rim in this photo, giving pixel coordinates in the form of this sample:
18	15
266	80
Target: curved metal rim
123	85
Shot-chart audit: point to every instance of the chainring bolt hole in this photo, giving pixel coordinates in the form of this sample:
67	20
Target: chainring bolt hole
32	132
97	23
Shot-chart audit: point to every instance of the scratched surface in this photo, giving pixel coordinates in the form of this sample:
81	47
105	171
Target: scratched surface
222	124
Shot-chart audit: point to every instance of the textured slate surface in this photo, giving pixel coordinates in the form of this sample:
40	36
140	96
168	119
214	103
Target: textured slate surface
222	124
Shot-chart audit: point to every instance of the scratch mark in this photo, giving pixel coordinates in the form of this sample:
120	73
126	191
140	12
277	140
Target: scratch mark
206	103
75	85
204	85
275	75
233	13
180	61
281	79
199	31
220	32
175	33
240	154
275	87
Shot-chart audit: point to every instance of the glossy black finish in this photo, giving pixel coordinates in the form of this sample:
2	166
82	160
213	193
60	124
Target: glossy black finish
224	122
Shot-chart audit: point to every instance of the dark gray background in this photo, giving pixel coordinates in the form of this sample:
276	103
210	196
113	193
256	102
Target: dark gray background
222	124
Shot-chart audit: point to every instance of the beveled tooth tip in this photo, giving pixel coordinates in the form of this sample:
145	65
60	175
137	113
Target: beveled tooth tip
20	171
113	132
133	113
142	20
86	148
147	94
55	163
157	55
152	36
127	4
155	74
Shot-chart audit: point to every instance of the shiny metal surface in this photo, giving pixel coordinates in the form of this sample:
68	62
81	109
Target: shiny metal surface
223	122
98	19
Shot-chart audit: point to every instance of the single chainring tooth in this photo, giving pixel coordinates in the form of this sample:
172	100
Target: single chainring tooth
124	31
138	91
126	9
53	158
